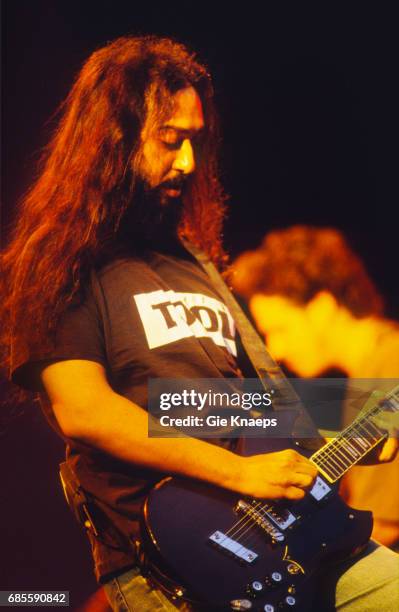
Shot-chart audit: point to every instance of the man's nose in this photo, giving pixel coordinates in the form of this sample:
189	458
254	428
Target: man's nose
185	161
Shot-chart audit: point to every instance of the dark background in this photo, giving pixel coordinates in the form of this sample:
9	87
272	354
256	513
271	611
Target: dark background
308	103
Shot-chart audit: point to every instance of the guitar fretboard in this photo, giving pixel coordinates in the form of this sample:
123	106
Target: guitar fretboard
337	456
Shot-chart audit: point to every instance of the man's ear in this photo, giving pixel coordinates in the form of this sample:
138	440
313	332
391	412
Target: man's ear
322	308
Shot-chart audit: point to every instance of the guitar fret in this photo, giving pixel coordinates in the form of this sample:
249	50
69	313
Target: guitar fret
392	400
358	448
337	452
331	474
363	440
371	423
341	450
334	462
340	454
364	426
336	473
347	447
364	446
352	450
337	456
341	463
379	432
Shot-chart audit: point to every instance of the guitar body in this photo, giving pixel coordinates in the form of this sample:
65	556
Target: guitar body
230	553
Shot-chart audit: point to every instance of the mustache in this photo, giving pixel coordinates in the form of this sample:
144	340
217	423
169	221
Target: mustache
176	183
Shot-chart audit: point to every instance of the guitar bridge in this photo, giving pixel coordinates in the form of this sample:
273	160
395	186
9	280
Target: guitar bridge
271	519
236	549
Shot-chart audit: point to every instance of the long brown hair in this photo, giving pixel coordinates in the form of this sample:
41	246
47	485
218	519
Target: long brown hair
86	183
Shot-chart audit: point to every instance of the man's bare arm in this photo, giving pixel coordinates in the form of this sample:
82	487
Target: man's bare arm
88	410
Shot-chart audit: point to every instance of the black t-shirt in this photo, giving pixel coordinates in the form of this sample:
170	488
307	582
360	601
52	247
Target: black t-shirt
142	317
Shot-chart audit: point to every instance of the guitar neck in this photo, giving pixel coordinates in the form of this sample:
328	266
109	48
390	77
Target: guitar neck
355	442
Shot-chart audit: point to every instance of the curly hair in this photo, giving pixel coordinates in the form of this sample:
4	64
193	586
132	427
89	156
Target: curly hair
300	261
86	182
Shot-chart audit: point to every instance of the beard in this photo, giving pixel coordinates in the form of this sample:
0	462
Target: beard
153	217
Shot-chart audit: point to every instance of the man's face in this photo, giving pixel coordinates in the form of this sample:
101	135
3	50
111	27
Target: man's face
292	332
168	149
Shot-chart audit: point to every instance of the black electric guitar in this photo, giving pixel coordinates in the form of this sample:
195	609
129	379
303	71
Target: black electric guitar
226	552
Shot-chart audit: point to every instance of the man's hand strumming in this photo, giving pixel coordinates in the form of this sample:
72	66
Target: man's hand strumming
284	474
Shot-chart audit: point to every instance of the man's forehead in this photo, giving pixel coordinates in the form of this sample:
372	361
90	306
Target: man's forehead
187	114
183	113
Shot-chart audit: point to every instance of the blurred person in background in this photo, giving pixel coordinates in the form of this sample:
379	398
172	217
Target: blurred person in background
312	299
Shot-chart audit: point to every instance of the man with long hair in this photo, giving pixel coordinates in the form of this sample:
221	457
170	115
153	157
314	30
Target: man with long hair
100	295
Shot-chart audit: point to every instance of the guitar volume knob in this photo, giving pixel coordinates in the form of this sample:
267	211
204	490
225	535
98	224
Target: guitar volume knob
274	579
288	602
255	588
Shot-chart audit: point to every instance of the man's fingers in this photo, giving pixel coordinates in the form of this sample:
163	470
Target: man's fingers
287	492
294	493
298	463
382	421
306	468
389	450
302	480
388	421
295	479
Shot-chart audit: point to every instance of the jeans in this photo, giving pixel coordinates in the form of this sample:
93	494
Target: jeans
369	583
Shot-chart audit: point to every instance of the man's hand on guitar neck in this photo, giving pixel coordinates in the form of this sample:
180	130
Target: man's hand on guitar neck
390	422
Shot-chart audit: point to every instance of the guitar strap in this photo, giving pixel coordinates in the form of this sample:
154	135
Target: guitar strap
269	372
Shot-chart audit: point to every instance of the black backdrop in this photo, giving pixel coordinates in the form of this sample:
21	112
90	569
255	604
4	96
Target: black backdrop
308	102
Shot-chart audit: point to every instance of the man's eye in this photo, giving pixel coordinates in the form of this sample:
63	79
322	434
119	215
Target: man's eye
172	144
169	137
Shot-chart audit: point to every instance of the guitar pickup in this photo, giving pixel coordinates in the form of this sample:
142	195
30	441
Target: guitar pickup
282	517
267	518
236	549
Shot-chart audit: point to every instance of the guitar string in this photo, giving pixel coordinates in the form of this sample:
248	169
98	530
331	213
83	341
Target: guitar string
332	463
325	450
347	450
250	522
251	527
341	455
264	510
322	456
253	524
341	443
331	452
374	408
236	528
334	456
